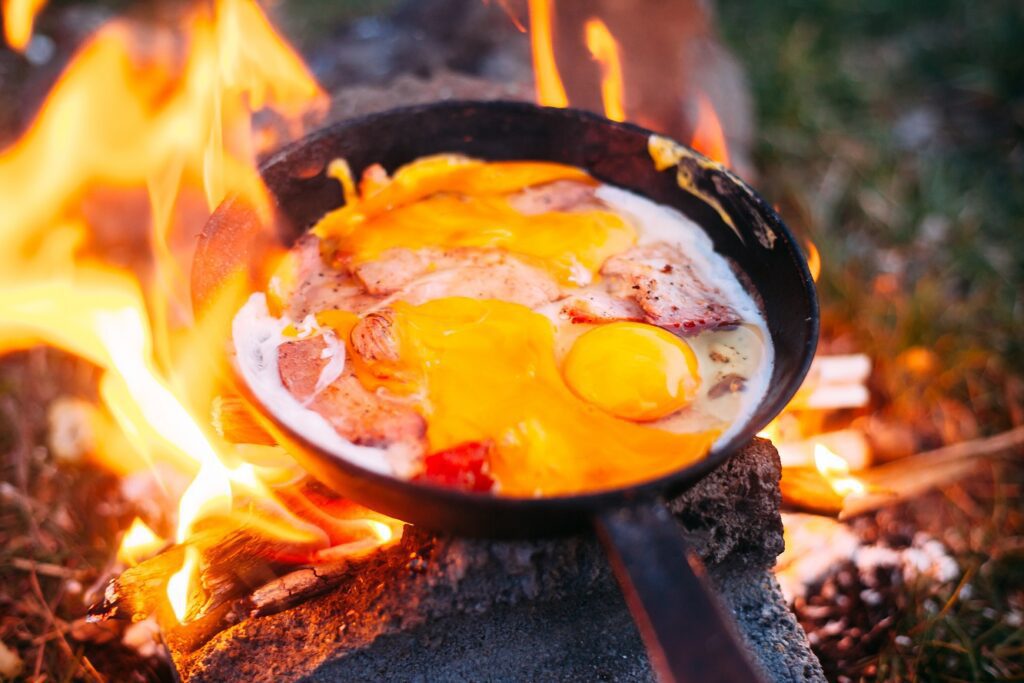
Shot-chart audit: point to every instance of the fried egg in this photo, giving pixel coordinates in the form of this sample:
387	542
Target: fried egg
559	406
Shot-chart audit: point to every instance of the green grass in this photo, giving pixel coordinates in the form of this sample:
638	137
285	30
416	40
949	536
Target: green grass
892	134
837	86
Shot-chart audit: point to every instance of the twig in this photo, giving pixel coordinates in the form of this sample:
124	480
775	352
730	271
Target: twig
20	453
83	661
296	587
47	569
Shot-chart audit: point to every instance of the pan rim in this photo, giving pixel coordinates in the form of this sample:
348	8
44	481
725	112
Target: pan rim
672	482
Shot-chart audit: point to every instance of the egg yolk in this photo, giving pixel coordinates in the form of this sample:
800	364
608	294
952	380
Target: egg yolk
425	213
429	175
632	370
486	371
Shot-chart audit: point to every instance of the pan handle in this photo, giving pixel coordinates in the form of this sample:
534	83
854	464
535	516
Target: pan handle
688	636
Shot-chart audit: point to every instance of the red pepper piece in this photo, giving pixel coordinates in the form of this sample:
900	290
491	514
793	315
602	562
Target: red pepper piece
465	466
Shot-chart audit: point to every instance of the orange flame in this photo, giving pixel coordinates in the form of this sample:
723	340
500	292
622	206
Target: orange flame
180	584
836	472
19	17
708	136
138	543
604	48
550	91
143	110
813	259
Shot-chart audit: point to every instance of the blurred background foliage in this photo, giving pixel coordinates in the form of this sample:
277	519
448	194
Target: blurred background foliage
891	134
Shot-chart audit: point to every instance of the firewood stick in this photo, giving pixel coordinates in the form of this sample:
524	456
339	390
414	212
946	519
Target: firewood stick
803	488
834	382
233	420
832	397
849	444
139	590
907	477
845	369
806	489
295	587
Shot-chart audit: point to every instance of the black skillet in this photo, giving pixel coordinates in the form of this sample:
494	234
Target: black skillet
687	634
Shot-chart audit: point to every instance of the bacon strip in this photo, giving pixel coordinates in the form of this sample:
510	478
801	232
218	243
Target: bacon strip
663	281
561	195
357	414
597	305
322	287
421	275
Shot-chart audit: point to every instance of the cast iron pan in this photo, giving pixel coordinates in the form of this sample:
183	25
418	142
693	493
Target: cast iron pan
686	633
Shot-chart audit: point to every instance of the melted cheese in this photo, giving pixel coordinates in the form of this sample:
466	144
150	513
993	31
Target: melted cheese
561	242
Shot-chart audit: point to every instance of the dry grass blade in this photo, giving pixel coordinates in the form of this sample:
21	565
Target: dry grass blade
83	661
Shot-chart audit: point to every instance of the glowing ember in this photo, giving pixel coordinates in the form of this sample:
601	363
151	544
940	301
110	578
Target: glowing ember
138	543
605	50
19	16
708	136
550	91
836	471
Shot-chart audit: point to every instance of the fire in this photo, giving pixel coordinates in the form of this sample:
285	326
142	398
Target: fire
179	585
813	259
708	136
144	111
836	472
19	17
138	543
604	48
550	91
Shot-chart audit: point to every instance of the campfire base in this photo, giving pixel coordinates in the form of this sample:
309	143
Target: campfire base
585	636
442	608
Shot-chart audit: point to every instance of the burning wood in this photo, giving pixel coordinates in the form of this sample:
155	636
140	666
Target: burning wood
849	444
816	490
234	421
181	126
908	477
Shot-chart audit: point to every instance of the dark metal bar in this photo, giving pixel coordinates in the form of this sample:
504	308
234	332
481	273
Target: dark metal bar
688	636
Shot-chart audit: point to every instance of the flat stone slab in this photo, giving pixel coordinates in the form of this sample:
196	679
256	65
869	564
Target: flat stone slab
588	638
440	608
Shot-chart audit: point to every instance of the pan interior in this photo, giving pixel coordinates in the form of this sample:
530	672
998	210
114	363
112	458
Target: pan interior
615	154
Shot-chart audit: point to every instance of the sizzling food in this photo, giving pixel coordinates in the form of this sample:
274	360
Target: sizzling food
506	327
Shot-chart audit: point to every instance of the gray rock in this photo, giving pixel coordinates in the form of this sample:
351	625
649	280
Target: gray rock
460	609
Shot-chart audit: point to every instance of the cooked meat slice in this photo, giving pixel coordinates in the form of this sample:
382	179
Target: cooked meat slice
561	195
396	268
669	289
322	287
513	282
359	415
418	276
372	337
597	305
